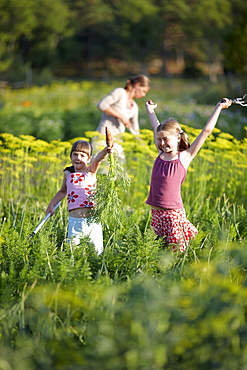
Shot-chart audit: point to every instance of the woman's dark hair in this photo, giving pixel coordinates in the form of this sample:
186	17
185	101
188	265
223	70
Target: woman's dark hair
141	79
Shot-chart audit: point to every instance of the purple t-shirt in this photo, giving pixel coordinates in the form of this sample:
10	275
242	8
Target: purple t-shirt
167	178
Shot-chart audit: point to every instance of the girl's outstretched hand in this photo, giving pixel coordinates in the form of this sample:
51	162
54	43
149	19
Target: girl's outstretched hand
150	106
225	103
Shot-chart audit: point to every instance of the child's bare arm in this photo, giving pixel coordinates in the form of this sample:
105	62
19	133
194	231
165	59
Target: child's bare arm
59	196
150	107
208	128
94	166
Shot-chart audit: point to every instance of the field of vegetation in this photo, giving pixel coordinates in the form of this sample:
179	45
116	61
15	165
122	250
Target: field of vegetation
137	305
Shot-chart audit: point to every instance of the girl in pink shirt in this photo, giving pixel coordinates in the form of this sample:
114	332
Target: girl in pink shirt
170	168
79	184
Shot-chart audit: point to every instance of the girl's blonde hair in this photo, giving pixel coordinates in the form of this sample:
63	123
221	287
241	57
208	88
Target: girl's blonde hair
141	79
82	146
172	125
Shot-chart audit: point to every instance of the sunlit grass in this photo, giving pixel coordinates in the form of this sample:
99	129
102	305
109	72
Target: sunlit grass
137	306
67	110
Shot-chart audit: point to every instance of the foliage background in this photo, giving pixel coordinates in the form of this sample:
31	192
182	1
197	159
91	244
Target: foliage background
137	305
41	39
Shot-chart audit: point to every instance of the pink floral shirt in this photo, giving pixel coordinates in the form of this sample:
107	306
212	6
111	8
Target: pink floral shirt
81	188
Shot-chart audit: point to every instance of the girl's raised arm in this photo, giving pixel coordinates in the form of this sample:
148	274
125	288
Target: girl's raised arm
94	166
150	107
208	128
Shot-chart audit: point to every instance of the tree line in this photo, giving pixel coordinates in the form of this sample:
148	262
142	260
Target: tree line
89	37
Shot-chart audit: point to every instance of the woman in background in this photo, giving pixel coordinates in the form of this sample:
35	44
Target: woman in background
119	109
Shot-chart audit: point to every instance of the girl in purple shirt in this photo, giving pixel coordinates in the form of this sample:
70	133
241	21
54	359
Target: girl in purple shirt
170	168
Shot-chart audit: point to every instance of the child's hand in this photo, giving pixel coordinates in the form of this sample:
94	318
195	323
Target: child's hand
50	209
110	150
150	106
225	103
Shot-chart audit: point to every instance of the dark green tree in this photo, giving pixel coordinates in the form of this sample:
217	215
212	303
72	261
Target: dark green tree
17	19
119	36
30	31
92	42
205	29
235	51
139	28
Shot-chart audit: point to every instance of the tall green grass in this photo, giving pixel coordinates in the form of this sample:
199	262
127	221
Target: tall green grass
136	306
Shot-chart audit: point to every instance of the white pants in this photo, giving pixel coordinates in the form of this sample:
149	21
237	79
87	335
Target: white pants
81	227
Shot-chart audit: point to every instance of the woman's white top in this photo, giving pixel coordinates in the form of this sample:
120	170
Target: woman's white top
118	100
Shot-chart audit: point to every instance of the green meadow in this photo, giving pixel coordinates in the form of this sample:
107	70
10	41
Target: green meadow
137	305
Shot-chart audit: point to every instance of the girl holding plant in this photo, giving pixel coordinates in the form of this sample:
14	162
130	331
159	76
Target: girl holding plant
79	184
169	171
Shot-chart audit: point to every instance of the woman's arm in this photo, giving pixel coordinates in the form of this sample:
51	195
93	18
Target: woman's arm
150	107
112	112
106	105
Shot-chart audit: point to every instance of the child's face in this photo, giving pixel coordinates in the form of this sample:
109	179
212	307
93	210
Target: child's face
79	160
168	141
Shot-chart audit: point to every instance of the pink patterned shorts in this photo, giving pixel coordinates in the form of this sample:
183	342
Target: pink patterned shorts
173	225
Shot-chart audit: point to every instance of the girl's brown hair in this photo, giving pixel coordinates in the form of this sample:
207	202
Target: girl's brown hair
172	125
141	79
82	146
